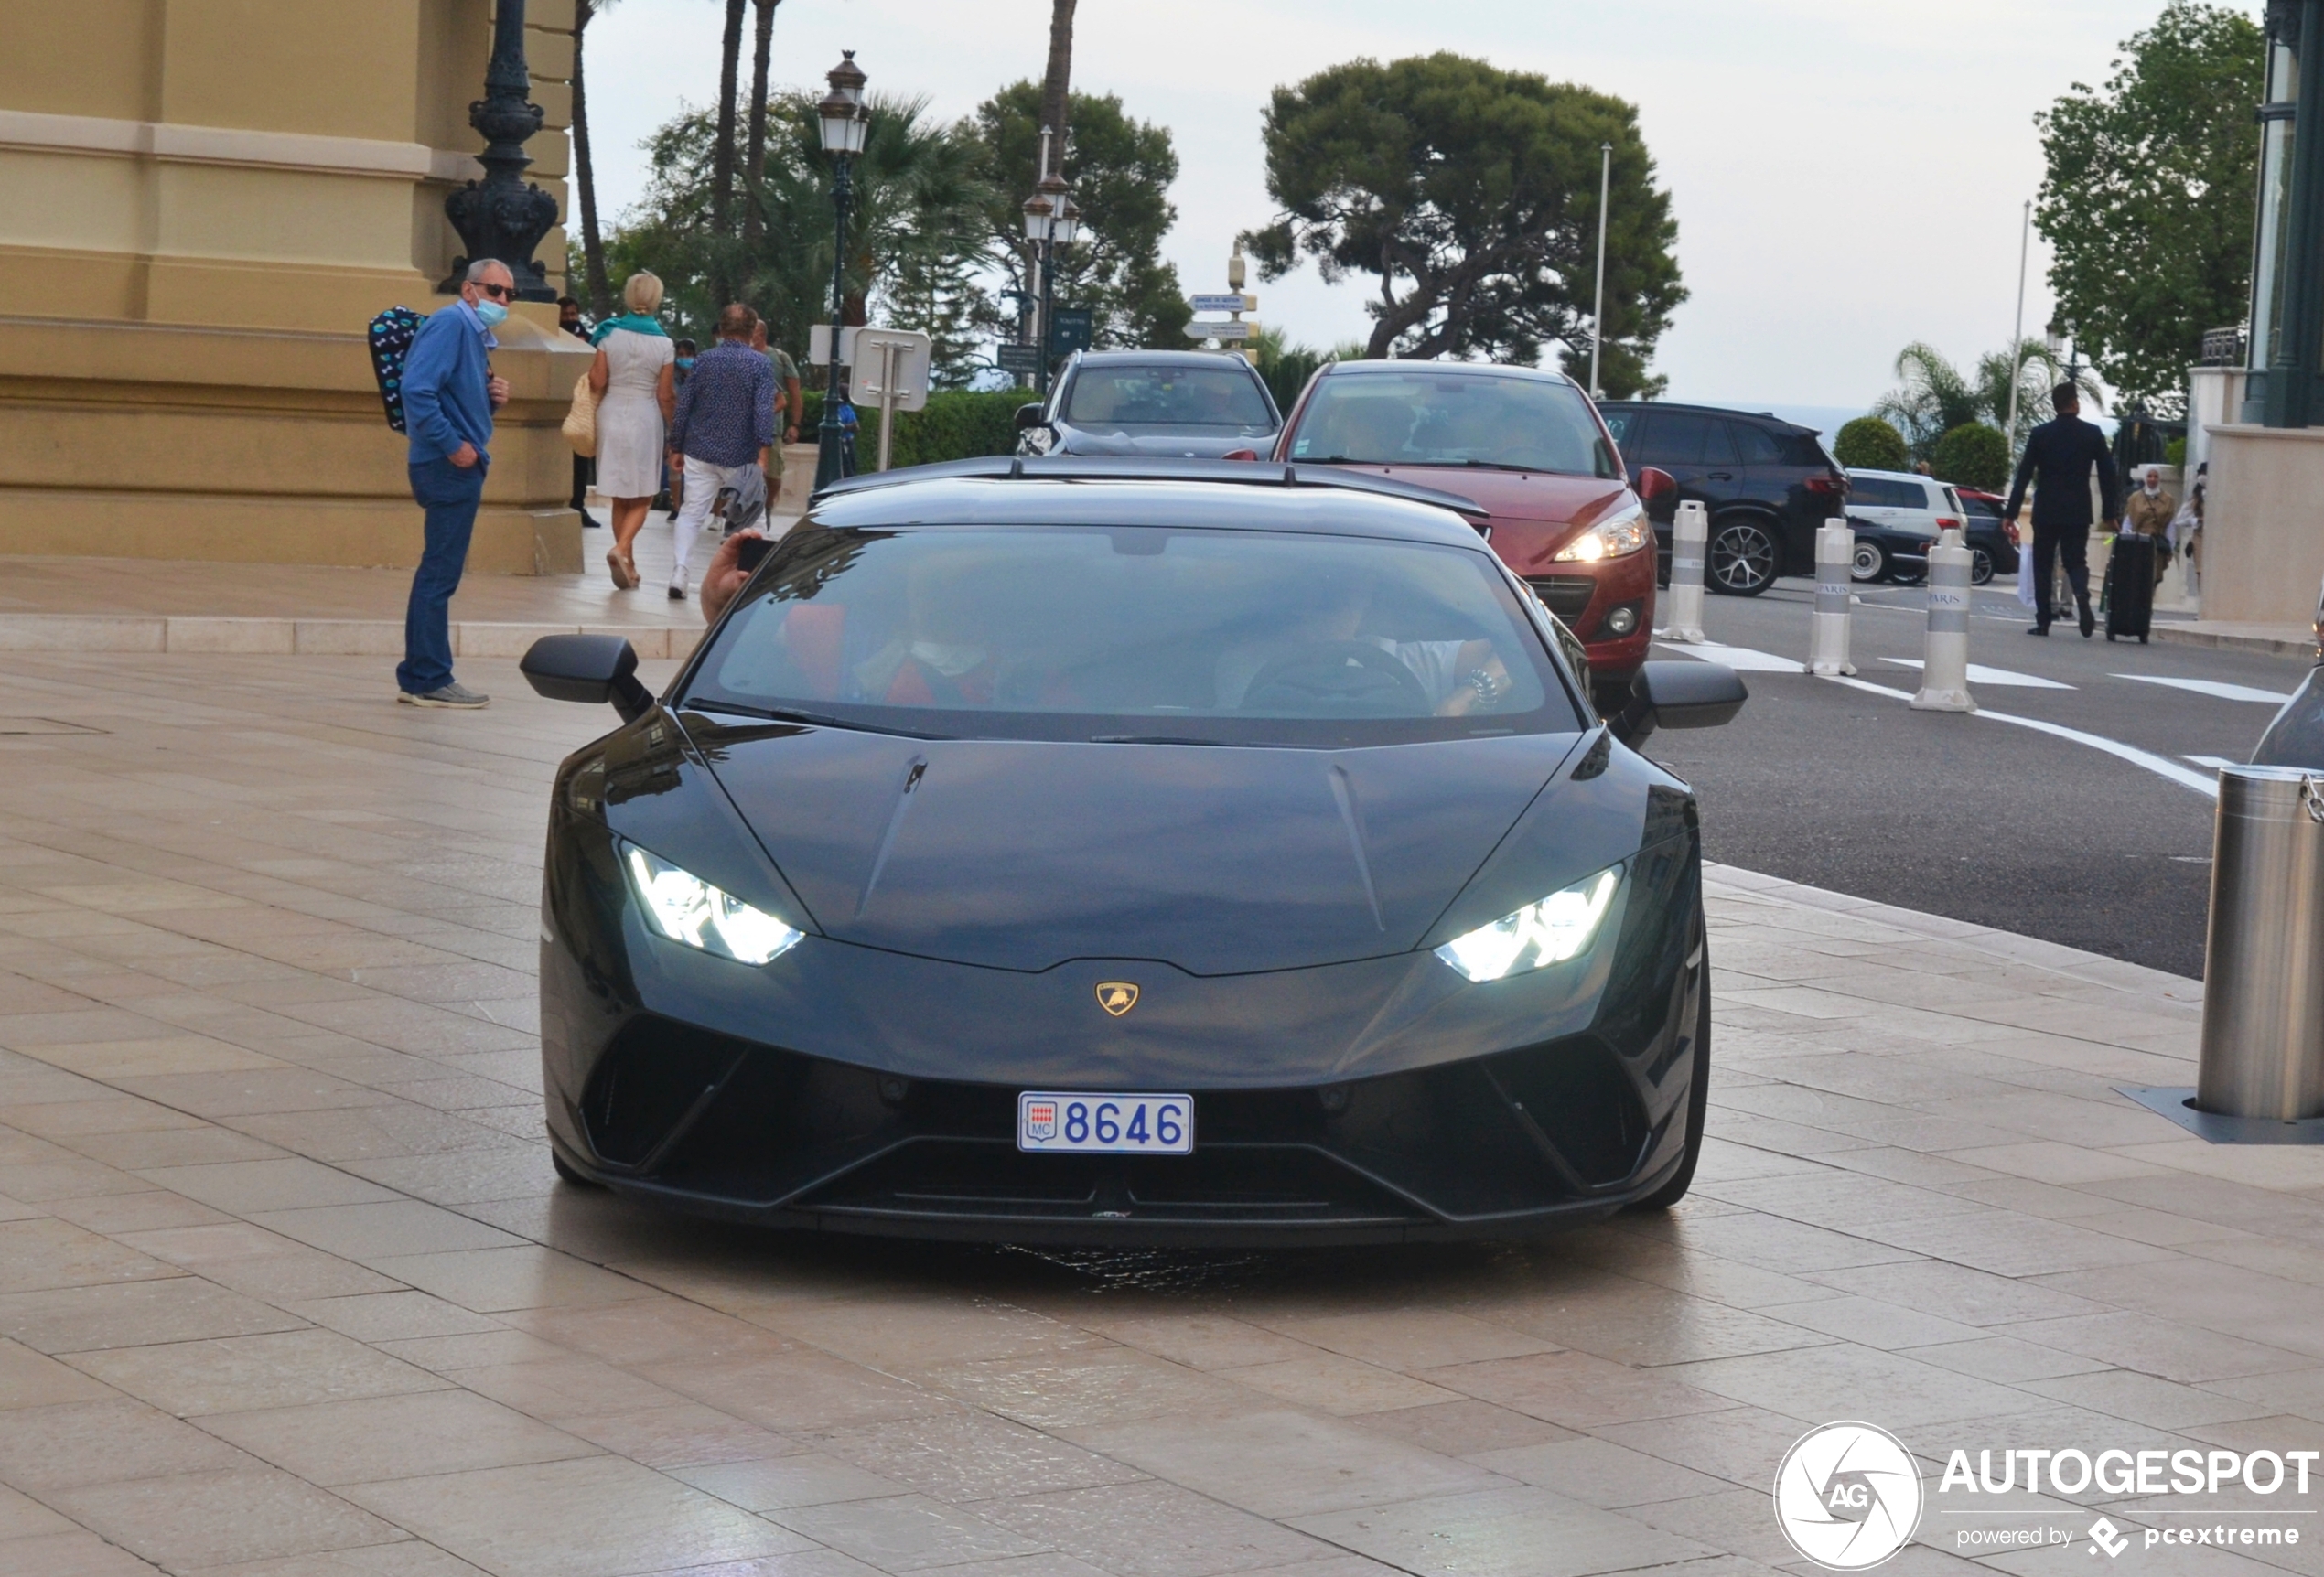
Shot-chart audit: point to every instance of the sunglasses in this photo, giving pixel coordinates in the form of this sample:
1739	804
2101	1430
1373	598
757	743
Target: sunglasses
499	292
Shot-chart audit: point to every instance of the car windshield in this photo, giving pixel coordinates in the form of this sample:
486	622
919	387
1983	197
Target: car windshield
1166	396
1134	634
1424	418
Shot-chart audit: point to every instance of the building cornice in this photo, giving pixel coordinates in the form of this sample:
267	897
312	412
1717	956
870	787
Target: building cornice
168	143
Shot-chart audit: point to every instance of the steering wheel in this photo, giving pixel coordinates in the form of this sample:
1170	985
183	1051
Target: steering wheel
1337	678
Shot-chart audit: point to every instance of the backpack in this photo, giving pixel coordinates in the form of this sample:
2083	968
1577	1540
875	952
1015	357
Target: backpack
391	335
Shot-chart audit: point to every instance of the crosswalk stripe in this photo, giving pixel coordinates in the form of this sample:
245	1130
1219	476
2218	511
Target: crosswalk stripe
2213	687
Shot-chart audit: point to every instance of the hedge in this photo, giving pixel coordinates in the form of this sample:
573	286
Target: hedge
1869	444
1973	455
956	425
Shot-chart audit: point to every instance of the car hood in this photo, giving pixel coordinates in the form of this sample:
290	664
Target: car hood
1562	504
1163	443
1025	854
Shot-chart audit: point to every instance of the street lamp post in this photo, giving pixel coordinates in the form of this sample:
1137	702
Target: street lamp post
1597	311
503	217
845	127
1052	220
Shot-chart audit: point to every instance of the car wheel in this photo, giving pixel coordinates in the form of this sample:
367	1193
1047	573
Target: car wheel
1980	567
1869	562
565	1172
1698	1093
1742	560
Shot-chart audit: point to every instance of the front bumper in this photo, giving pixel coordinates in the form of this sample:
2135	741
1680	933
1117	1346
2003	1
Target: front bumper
1585	597
1376	1102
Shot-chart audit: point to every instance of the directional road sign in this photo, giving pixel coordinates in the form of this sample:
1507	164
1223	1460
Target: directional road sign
1235	302
1238	330
1019	358
1070	330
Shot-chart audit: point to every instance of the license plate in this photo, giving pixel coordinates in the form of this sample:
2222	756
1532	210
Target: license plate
1106	1124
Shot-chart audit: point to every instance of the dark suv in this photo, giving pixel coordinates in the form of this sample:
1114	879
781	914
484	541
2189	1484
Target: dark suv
1767	483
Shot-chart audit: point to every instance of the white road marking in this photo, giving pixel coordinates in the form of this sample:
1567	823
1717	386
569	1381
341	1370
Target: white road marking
2162	766
1980	675
2213	687
1742	659
2213	762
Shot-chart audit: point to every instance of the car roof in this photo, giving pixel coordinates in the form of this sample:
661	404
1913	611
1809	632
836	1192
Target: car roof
1472	368
1095	500
1893	475
1161	358
1767	416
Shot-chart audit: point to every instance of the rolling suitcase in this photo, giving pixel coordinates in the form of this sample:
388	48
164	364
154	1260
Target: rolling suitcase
2130	587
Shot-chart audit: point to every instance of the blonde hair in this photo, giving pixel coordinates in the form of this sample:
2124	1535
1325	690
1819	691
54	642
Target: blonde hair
642	294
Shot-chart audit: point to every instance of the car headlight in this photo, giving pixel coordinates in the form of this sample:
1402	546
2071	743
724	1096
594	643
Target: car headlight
1550	933
1609	539
685	909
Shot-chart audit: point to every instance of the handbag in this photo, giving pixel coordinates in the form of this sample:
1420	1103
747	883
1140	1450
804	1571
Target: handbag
581	422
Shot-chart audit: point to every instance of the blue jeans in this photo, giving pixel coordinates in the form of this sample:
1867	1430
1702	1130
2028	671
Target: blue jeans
451	495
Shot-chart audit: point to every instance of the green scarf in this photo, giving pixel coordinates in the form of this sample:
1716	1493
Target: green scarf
634	322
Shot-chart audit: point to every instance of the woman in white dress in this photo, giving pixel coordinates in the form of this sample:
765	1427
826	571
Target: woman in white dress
636	399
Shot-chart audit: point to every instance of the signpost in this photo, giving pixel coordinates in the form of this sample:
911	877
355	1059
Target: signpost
1019	358
892	367
1237	328
1070	331
1235	301
818	345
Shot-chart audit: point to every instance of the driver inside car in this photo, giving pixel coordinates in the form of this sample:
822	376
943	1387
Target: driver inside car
1456	677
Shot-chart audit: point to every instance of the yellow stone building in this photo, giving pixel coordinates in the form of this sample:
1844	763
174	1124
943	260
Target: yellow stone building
202	204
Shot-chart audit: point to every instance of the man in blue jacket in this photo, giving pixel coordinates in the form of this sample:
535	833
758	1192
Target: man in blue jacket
449	395
2060	457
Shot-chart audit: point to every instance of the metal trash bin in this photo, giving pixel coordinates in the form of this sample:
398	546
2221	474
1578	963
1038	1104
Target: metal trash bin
2263	972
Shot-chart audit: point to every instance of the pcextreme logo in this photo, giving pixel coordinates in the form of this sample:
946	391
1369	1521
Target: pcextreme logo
1847	1495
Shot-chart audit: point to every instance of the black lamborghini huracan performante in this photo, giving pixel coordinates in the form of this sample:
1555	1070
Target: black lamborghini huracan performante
1054	851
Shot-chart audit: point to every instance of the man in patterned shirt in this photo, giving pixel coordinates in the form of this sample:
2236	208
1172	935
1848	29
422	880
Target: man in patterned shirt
725	426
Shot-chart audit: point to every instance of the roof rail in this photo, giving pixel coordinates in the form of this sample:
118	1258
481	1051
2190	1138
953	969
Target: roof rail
1132	469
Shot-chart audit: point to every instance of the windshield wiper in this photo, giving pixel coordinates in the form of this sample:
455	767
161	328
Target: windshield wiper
797	715
1189	739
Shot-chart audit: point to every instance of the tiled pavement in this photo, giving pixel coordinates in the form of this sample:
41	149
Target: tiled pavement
287	1288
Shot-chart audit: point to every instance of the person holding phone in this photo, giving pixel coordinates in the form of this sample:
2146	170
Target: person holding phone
730	568
449	394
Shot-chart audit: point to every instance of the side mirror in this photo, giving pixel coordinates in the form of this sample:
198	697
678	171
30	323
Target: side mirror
1654	483
1032	415
1681	695
596	669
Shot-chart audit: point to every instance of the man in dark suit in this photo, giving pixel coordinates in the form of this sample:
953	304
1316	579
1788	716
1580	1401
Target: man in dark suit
2060	453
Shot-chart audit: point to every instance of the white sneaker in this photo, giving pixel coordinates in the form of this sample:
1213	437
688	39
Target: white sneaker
678	587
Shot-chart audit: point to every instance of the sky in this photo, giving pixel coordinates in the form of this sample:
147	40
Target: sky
1848	176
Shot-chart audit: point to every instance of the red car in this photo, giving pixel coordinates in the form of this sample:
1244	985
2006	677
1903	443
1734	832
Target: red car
1528	445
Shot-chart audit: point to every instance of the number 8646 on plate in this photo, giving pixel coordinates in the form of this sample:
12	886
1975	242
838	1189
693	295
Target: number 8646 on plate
1049	1119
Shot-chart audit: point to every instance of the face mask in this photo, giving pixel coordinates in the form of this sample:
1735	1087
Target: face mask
685	363
492	313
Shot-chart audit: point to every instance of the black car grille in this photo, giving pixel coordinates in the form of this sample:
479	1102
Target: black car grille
759	1130
1567	597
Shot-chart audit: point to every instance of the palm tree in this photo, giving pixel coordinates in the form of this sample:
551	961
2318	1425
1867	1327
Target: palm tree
585	171
1058	81
1935	398
721	169
754	164
2038	370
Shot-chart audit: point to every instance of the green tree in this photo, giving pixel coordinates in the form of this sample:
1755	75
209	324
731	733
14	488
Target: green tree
1933	396
1120	169
1470	194
914	231
2147	205
1869	444
1972	454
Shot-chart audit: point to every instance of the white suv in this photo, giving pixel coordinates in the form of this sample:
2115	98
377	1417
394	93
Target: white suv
1896	516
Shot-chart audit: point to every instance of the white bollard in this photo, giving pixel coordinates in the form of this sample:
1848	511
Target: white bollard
1828	637
1690	534
1945	674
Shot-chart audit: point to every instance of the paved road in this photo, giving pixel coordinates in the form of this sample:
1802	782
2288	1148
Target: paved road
1972	817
